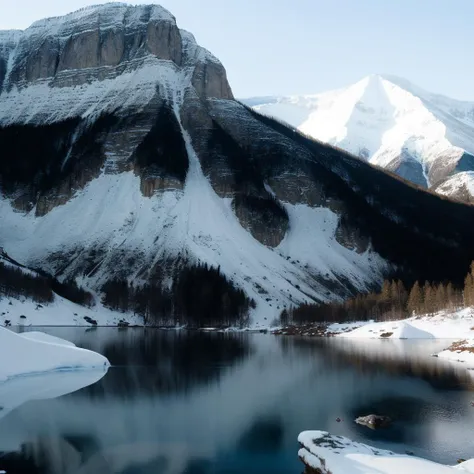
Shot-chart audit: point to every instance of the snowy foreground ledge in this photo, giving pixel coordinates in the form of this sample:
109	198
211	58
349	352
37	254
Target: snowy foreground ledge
460	351
36	352
323	453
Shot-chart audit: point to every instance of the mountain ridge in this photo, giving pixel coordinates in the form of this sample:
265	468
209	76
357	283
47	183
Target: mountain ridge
424	137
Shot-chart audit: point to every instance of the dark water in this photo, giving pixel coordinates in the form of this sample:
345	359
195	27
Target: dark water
207	403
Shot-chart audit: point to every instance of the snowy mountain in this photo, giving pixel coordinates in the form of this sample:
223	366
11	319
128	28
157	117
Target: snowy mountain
425	138
125	159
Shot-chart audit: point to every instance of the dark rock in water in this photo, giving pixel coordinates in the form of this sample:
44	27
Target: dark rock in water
338	420
374	421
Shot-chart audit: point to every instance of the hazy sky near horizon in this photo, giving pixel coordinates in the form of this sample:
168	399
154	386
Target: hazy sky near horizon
307	46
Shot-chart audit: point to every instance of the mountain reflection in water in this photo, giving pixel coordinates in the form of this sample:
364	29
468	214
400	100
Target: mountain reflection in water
194	402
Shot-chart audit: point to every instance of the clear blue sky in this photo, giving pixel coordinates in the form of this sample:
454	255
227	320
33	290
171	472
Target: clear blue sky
308	46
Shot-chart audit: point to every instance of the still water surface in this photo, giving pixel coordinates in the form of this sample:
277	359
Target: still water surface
208	403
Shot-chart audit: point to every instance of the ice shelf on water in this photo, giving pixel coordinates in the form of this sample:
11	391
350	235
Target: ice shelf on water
37	353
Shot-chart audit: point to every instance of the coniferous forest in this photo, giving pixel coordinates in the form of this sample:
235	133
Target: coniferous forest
16	282
394	301
200	297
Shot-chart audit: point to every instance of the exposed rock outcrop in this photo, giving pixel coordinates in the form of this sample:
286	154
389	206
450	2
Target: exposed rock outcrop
102	42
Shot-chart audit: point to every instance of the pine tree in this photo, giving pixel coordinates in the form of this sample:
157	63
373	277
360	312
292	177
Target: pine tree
468	293
469	289
284	318
450	296
402	296
415	299
386	293
441	298
393	291
429	298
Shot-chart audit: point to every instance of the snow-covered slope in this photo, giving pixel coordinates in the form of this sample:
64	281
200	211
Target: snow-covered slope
19	308
459	185
61	312
197	223
391	123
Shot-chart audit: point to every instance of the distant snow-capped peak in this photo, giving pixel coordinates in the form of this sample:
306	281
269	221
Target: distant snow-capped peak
388	121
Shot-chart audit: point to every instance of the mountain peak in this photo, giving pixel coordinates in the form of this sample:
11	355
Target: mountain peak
105	50
390	122
107	14
371	91
374	77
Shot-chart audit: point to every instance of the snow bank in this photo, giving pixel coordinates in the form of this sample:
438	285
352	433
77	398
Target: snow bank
456	325
338	328
461	351
392	330
326	454
27	355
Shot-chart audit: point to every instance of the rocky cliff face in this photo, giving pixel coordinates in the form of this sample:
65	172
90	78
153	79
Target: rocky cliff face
125	155
88	71
98	43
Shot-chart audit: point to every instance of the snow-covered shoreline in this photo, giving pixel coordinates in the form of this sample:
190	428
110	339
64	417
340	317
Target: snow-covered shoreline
460	351
323	453
456	328
442	325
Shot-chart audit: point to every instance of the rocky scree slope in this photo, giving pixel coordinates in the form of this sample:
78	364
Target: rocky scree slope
388	121
124	155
